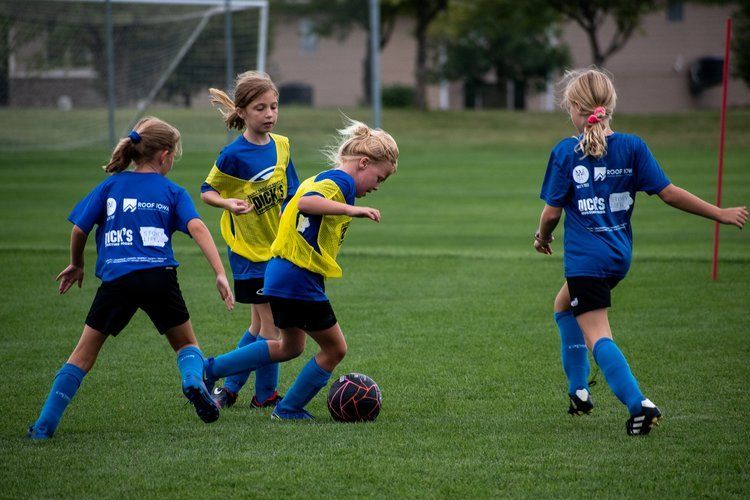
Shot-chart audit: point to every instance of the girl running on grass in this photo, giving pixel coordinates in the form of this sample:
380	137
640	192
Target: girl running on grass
251	180
136	213
311	232
594	177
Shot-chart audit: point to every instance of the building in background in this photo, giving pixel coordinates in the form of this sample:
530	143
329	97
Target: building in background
651	72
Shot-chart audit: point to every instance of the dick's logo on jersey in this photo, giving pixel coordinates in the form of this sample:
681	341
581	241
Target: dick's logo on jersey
344	229
118	237
268	197
590	206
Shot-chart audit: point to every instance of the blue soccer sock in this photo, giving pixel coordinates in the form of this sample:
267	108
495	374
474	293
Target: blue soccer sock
310	380
266	380
67	381
245	359
618	375
190	363
236	382
575	356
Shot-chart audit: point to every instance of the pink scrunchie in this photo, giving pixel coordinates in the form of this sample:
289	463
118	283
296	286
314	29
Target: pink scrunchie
594	118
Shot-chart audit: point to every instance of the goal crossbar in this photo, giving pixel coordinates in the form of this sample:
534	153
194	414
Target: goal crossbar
242	4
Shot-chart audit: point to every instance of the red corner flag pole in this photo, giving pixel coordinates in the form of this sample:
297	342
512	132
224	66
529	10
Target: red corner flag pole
724	84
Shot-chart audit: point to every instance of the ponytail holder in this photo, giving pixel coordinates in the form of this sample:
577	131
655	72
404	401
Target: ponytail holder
595	116
134	136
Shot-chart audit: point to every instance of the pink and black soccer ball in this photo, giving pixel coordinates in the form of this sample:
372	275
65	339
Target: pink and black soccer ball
354	398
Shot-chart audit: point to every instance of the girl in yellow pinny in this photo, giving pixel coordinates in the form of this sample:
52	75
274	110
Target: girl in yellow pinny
251	180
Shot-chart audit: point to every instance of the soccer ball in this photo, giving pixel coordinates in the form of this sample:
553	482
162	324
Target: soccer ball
354	398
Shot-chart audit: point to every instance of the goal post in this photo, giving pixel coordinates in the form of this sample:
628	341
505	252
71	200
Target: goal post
113	60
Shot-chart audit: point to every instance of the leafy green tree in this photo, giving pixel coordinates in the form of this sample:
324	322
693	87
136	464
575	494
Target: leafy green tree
510	40
590	15
424	13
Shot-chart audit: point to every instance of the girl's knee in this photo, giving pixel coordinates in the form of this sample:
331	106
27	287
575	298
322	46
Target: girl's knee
336	353
291	350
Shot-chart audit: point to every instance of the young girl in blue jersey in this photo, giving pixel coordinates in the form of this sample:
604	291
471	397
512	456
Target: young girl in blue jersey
594	178
311	231
136	213
251	179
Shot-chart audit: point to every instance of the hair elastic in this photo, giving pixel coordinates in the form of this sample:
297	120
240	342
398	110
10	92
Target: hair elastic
594	117
134	136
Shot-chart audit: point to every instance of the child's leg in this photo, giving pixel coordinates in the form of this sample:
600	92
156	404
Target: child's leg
575	357
316	373
236	382
257	354
266	377
190	362
598	335
67	381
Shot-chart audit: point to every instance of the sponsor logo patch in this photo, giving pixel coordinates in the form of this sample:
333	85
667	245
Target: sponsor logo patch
111	206
600	173
153	236
129	204
581	174
118	237
619	202
590	206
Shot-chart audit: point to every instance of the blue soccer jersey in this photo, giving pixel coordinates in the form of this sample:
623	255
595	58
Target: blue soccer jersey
287	280
136	215
598	196
251	162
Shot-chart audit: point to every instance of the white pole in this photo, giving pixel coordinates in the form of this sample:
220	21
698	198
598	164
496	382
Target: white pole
263	37
377	105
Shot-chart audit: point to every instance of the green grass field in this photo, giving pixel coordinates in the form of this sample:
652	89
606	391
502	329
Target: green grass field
445	304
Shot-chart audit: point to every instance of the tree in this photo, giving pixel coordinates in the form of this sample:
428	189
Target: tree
425	12
591	14
512	41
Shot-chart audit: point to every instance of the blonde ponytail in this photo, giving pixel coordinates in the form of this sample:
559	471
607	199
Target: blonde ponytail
247	87
227	108
590	91
357	140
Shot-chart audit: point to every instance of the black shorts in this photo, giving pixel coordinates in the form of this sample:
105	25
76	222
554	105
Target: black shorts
156	291
308	315
589	294
249	291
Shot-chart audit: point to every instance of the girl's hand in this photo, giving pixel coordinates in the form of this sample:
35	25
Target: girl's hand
543	246
70	275
238	207
365	212
736	216
225	292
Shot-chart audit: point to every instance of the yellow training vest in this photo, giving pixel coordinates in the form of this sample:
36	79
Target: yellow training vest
292	246
251	235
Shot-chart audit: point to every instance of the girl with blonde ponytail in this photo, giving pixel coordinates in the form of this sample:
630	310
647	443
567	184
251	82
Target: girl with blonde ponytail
311	232
137	211
594	178
251	180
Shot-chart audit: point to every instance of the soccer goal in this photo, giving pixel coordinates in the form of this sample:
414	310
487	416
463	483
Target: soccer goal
79	73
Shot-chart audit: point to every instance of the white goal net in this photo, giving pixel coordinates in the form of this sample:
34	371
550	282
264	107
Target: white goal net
56	57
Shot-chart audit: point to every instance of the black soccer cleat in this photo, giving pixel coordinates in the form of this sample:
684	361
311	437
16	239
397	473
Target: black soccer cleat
580	403
641	424
200	398
271	401
223	397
